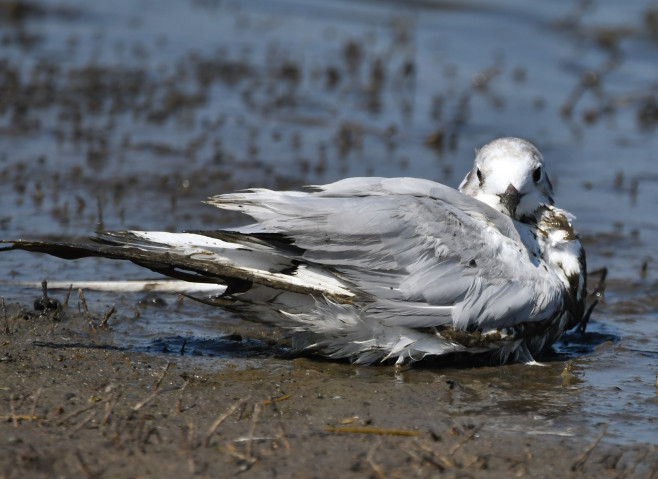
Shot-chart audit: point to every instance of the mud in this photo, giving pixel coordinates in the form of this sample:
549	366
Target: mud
128	116
77	404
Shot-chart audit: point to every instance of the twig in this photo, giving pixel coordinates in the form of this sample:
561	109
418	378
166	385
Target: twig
221	418
83	466
372	430
12	408
108	410
81	425
580	462
246	461
146	400
179	405
68	295
44	293
103	323
75	413
81	295
152	432
156	390
109	406
275	400
420	460
282	438
190	435
454	448
254	420
440	462
37	395
20	417
4	314
254	438
375	467
164	372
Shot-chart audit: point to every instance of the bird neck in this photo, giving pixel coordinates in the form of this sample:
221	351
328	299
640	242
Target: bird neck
560	248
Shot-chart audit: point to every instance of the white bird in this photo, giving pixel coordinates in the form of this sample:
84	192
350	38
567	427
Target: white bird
373	269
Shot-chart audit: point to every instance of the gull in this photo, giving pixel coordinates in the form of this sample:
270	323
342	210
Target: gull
383	269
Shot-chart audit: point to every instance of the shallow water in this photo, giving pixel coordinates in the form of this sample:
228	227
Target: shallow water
127	117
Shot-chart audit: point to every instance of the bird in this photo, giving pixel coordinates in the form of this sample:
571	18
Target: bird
384	270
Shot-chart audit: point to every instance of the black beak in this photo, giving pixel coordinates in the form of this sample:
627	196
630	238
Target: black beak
510	199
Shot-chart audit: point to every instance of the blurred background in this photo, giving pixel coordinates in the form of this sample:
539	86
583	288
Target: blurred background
127	114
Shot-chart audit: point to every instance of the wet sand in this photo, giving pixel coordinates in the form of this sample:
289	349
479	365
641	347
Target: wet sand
76	404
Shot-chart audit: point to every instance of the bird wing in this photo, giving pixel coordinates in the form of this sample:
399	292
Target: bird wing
425	254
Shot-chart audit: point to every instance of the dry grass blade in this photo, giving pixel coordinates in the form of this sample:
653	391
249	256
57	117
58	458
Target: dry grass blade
89	417
379	473
37	395
221	418
179	403
146	400
12	408
580	461
156	390
431	456
109	405
472	434
4	314
161	377
83	466
372	430
252	429
21	417
81	295
68	295
106	318
282	438
275	400
75	413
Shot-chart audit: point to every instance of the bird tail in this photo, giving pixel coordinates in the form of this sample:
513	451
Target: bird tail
234	260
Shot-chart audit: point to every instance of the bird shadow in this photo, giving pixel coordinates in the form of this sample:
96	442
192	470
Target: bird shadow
231	345
571	345
574	344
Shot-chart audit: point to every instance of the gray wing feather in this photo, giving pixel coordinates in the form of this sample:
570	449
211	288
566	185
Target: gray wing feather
427	254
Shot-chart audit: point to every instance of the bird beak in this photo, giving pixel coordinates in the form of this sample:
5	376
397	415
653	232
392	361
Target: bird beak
510	199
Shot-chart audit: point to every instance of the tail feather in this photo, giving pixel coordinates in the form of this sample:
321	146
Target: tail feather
200	258
168	286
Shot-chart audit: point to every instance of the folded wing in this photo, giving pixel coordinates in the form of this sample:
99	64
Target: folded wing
422	254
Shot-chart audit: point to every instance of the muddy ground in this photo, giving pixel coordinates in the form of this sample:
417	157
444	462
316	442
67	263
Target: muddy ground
77	405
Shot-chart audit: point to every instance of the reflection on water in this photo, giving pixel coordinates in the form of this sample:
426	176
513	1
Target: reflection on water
113	118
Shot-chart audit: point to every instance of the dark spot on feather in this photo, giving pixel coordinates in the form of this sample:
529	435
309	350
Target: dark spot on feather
561	222
290	270
236	286
471	339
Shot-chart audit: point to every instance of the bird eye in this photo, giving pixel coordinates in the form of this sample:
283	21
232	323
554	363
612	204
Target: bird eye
479	174
536	175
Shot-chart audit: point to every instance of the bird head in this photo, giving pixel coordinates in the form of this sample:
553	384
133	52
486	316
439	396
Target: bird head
509	175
